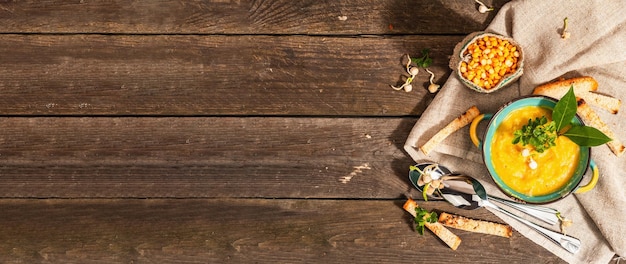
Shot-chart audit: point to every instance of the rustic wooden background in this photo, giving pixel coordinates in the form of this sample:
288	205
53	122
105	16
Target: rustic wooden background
219	131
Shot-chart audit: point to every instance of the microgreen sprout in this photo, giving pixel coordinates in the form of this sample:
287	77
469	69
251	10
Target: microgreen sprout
433	87
564	222
482	8
412	68
427	180
406	86
413	71
431	178
408	65
565	34
525	152
532	164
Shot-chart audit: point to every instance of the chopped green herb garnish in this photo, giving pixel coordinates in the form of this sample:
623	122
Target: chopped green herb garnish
422	217
539	133
425	61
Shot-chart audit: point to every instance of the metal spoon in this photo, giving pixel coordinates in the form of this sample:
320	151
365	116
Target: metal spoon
467	192
545	214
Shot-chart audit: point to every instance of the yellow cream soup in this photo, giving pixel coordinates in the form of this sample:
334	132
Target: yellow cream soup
555	166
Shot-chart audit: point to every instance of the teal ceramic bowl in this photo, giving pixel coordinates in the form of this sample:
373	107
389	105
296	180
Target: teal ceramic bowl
496	119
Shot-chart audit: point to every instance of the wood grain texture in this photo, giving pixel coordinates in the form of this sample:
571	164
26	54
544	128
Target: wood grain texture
311	17
214	75
239	231
242	131
204	157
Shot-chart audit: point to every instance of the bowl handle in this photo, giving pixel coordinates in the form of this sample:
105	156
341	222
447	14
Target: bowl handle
592	182
473	127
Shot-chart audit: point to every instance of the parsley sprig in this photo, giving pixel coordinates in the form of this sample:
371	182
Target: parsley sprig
422	217
425	61
542	134
539	133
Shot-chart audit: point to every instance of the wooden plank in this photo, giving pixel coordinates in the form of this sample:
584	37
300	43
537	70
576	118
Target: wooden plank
213	75
240	231
204	157
244	17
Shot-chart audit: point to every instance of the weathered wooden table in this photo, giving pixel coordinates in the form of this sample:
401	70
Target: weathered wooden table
222	131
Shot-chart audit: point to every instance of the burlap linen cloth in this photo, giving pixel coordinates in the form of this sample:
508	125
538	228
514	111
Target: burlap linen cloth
597	48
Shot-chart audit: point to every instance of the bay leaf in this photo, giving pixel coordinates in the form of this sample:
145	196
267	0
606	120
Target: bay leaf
586	136
565	109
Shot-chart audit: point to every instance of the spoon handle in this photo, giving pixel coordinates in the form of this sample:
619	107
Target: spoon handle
542	213
571	244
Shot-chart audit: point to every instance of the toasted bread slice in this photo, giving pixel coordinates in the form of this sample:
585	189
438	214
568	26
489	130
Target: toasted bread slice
584	87
590	118
450	128
558	88
609	103
452	240
478	226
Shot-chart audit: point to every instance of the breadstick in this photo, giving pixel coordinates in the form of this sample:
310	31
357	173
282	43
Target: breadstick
456	124
477	226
